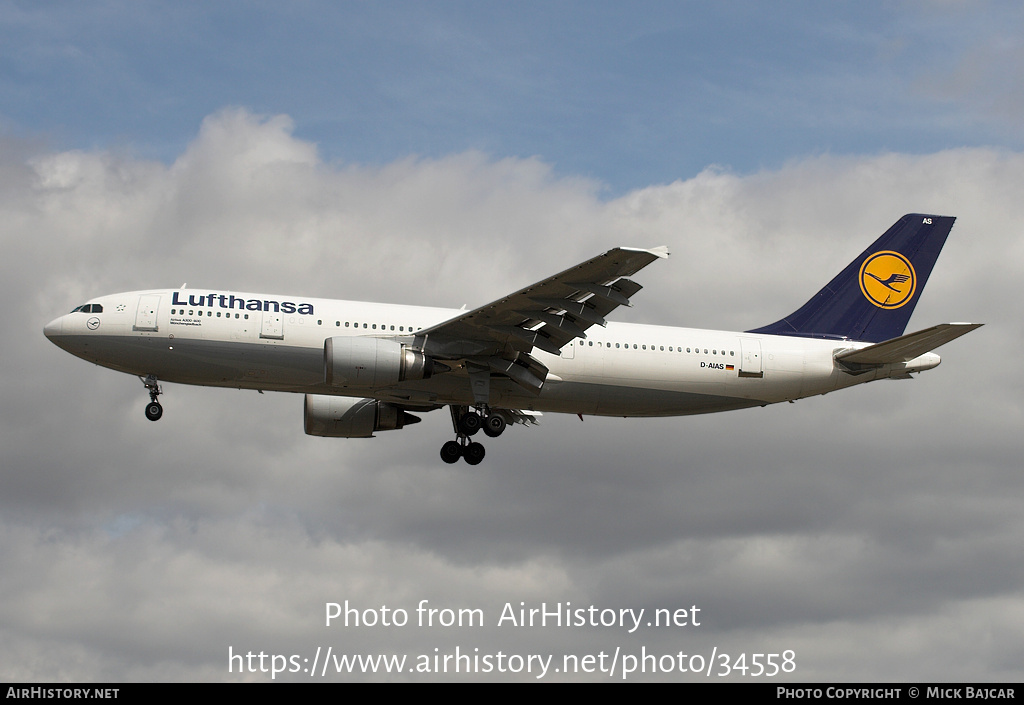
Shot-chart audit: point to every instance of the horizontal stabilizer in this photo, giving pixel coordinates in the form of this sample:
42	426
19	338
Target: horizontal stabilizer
907	347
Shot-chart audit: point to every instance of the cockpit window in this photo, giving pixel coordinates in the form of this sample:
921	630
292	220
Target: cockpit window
89	308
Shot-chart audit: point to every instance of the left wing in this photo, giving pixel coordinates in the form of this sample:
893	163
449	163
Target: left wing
498	337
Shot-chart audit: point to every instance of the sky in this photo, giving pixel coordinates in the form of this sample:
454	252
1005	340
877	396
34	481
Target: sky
449	153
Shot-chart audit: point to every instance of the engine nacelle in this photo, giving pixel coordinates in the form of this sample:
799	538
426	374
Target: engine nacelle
372	362
348	417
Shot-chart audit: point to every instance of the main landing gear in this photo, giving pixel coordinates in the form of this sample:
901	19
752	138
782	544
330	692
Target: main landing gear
154	410
468	422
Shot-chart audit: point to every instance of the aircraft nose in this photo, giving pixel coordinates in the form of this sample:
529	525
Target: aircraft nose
53	328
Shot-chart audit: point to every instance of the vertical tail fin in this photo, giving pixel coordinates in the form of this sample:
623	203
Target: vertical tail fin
872	298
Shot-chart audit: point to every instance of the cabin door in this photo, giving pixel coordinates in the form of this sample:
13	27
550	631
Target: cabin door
750	358
273	326
146	314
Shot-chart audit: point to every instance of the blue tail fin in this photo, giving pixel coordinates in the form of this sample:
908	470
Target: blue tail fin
872	298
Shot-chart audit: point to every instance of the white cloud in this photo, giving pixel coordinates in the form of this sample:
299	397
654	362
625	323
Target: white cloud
142	551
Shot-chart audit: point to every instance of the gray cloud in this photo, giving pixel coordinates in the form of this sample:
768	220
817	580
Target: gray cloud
876	532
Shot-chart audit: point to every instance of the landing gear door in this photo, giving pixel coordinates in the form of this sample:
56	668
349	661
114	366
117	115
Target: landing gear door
146	315
750	358
273	326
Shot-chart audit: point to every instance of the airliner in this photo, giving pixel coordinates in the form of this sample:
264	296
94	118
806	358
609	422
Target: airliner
369	367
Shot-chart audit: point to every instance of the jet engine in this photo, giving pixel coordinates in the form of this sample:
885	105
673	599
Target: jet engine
372	362
348	417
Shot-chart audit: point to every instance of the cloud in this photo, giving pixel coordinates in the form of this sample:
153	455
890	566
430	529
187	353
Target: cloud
859	529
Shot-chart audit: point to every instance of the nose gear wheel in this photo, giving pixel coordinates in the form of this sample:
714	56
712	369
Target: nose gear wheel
154	410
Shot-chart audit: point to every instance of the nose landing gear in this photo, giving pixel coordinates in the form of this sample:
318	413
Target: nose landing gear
154	410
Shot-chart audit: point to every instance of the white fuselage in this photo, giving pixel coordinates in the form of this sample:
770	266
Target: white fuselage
254	341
